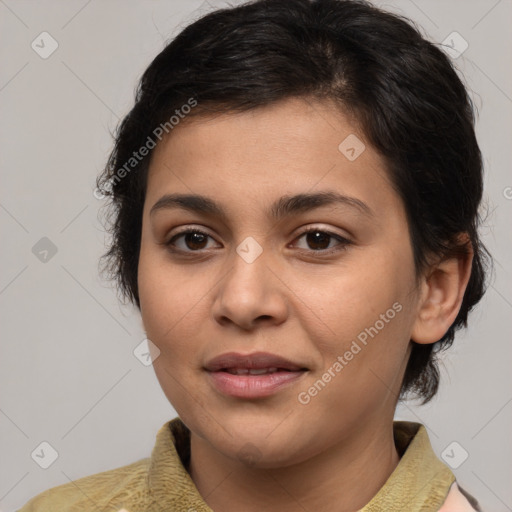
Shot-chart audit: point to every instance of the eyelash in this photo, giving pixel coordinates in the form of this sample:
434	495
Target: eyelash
343	242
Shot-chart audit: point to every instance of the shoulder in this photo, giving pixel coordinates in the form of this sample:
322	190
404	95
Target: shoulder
458	500
115	487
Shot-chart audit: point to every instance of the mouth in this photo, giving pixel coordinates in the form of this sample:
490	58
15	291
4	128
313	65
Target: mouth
252	376
253	386
247	363
255	371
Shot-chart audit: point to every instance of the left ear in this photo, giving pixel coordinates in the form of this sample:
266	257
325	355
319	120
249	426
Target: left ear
442	291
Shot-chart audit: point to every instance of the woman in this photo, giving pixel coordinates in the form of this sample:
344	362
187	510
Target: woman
295	213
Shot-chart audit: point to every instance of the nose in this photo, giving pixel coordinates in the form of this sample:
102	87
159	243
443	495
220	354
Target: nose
251	294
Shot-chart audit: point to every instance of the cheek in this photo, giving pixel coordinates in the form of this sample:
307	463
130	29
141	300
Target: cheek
362	363
165	308
355	297
166	298
369	314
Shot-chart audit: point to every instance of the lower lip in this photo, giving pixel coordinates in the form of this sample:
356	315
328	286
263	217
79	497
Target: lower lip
253	386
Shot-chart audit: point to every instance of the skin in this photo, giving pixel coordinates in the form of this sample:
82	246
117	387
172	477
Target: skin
337	451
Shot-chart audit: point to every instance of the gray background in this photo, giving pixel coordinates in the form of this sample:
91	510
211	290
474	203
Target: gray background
68	375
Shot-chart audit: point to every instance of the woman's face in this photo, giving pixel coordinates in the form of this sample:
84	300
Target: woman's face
339	301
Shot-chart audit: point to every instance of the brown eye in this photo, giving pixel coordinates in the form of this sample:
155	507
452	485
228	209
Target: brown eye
319	240
195	240
192	240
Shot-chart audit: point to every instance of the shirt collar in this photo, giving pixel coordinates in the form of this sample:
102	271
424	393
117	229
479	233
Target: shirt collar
419	482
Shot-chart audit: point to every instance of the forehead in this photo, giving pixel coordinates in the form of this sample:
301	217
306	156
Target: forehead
288	129
294	146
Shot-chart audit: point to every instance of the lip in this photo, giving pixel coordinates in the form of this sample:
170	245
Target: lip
256	360
252	386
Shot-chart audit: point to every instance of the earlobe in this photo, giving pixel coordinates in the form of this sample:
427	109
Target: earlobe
442	291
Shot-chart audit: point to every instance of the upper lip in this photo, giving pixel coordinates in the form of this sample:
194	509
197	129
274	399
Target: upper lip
256	360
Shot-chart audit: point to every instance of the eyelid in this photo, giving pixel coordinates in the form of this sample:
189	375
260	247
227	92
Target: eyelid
324	229
189	228
343	241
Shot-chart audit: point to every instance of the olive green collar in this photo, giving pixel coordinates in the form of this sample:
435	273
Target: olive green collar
420	481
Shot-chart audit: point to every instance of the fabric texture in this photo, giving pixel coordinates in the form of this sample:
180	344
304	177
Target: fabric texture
420	482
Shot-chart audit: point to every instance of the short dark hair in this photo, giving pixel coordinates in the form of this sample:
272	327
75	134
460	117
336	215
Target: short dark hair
402	90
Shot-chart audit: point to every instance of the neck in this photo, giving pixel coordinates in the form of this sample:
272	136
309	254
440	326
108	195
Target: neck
343	478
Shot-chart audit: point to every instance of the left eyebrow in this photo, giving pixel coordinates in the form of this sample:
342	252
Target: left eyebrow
284	206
